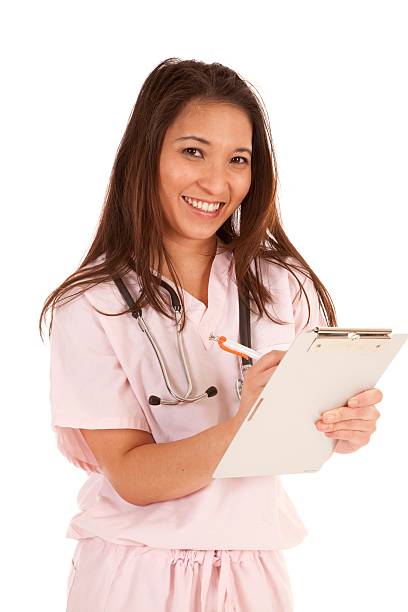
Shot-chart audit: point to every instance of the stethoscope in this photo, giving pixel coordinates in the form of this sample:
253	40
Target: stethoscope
245	338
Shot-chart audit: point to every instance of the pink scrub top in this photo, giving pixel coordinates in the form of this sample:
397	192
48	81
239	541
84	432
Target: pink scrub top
102	372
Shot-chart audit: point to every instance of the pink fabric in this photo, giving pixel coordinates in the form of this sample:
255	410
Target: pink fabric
109	577
103	370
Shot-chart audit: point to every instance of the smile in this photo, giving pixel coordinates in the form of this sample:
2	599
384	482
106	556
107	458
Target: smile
203	206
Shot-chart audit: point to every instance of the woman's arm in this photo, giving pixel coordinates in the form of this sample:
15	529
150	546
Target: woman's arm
158	472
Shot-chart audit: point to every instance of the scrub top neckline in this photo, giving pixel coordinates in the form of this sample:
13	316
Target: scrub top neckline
206	318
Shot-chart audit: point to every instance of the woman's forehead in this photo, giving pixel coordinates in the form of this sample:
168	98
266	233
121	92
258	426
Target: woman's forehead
214	124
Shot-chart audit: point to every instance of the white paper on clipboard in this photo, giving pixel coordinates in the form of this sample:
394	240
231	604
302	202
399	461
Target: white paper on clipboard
322	369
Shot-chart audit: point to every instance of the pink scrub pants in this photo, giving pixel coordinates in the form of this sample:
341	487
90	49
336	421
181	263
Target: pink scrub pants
108	577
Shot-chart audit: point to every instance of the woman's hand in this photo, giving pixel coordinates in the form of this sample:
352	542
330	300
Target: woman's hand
255	379
353	424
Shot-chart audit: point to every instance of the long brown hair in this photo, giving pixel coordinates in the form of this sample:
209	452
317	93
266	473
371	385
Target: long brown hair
253	233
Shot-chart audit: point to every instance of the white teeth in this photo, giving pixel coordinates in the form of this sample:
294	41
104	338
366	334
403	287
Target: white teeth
205	206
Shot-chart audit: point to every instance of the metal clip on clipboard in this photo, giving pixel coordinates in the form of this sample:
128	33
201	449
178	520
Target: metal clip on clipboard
327	339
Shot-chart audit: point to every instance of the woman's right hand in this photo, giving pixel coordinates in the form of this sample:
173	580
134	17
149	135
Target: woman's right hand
255	379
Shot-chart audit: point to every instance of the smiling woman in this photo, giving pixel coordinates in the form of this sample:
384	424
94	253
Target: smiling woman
191	200
191	186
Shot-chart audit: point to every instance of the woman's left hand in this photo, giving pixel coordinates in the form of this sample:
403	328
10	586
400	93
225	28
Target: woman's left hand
353	424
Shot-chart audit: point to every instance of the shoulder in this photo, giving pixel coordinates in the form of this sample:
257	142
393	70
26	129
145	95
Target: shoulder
299	277
97	294
286	274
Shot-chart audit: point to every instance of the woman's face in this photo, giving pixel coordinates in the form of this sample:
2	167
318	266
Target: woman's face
218	170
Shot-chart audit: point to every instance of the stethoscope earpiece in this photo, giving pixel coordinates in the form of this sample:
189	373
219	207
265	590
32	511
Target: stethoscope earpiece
211	391
155	401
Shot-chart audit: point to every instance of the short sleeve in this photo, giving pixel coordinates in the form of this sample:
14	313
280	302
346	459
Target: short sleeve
300	306
88	387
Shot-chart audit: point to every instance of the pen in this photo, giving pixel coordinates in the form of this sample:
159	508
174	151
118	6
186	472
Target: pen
235	347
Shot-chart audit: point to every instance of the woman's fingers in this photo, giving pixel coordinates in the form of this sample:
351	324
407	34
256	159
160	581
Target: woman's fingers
268	360
259	375
351	424
344	413
366	398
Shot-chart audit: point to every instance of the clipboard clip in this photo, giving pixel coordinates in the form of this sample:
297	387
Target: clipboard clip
349	338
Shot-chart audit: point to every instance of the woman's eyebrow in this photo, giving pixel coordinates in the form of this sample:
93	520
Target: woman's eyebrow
240	149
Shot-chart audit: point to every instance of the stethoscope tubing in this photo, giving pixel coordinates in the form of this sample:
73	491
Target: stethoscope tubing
186	398
211	391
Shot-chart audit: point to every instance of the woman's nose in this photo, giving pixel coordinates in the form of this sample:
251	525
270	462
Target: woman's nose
215	181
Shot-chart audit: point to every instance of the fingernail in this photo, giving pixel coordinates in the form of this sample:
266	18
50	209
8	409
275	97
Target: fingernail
329	417
353	403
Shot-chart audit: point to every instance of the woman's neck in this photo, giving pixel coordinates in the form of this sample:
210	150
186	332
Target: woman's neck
192	262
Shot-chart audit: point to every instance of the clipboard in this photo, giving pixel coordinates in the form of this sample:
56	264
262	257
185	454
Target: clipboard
321	370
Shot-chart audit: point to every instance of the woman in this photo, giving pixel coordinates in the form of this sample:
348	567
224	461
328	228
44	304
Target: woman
192	202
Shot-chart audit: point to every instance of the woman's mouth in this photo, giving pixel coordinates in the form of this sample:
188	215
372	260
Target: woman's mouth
204	209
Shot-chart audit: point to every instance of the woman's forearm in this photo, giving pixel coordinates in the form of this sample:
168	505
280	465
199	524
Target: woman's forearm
169	470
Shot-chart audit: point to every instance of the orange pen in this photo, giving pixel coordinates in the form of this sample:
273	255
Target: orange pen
234	347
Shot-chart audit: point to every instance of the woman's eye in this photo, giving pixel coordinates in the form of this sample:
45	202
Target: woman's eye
237	157
190	149
240	157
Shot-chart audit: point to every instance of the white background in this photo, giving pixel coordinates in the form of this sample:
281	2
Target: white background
333	78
